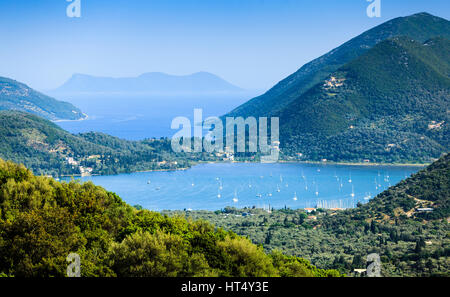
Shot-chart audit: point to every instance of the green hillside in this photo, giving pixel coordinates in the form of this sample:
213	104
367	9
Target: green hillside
18	96
420	27
47	149
388	105
42	221
409	240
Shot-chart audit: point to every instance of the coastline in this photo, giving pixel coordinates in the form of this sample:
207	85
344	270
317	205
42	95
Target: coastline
422	165
360	164
138	171
279	162
79	120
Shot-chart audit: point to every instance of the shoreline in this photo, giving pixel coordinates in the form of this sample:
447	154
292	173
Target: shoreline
251	162
324	163
360	164
79	120
139	171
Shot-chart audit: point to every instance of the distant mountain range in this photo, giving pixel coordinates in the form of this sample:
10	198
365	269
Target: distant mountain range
153	83
18	96
382	97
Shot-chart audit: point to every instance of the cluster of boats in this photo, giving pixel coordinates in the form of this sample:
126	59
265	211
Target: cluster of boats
340	181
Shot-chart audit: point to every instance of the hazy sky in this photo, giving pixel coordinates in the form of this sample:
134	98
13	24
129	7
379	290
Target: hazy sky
251	43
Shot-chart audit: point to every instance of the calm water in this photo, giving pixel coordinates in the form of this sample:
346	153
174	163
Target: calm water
135	117
253	184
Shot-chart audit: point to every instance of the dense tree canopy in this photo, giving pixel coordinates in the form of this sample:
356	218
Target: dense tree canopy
42	221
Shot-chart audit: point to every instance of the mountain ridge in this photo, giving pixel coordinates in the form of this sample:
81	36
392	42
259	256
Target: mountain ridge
149	82
15	95
390	102
420	26
46	148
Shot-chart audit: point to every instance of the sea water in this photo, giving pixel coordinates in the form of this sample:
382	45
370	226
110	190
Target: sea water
215	186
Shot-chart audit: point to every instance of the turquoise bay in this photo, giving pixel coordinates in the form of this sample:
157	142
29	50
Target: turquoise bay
216	186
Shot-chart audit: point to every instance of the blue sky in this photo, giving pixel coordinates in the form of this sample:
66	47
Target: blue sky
251	43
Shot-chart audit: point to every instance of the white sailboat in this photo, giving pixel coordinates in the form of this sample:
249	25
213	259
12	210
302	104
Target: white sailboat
295	196
235	199
353	192
278	189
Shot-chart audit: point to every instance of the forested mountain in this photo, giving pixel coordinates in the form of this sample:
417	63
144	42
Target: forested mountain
407	226
152	82
388	105
42	221
18	96
420	27
47	149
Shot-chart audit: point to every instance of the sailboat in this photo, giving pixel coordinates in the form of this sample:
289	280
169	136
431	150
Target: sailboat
235	199
353	192
350	178
220	186
295	196
317	191
218	194
278	189
148	182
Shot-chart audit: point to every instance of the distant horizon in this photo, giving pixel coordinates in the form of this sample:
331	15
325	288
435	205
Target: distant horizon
252	45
